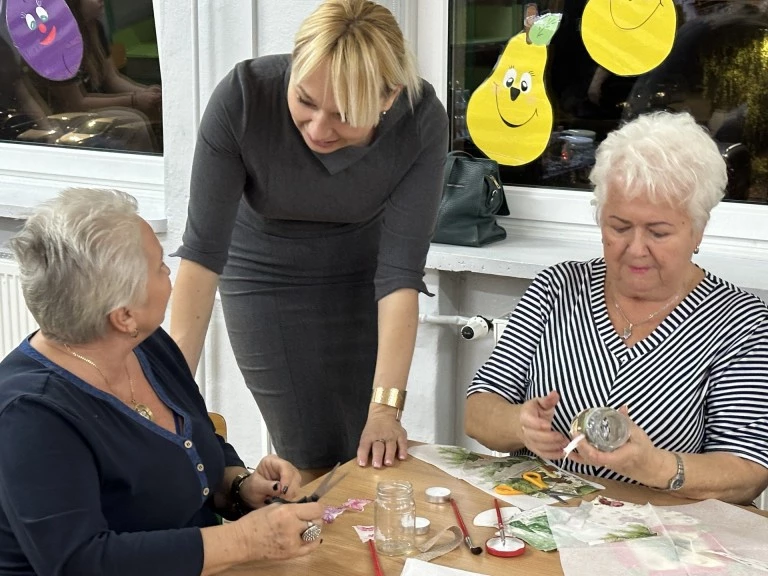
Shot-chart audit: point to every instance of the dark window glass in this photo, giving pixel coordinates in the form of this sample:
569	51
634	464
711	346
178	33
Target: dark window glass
81	73
717	70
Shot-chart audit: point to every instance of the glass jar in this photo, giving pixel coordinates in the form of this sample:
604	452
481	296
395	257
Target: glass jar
394	518
605	428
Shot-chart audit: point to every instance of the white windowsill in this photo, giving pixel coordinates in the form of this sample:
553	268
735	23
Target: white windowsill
529	249
32	174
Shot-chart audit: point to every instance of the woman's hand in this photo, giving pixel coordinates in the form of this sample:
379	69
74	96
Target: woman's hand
272	477
148	100
638	459
274	532
536	427
383	438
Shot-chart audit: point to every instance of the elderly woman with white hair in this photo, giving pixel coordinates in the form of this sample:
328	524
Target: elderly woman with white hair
643	329
109	463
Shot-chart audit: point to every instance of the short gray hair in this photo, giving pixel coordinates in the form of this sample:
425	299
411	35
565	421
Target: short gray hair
81	256
667	157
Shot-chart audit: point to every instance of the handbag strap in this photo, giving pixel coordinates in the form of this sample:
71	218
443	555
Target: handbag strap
451	160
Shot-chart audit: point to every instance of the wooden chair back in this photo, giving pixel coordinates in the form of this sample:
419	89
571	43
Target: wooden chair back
219	423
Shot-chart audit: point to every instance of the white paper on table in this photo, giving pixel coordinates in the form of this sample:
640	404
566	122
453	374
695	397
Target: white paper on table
414	567
489	519
692	540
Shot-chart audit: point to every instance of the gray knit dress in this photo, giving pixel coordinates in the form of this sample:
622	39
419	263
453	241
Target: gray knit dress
306	244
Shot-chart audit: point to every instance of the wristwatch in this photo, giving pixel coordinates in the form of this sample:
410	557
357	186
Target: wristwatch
677	481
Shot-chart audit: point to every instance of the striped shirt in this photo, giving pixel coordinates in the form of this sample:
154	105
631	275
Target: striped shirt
697	383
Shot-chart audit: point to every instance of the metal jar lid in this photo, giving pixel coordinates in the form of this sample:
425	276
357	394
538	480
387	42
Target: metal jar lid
422	525
437	495
605	428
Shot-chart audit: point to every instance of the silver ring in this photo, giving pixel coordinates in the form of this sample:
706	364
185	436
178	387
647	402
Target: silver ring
312	532
380	440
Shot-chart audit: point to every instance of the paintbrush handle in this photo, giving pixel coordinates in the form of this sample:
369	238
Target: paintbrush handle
459	519
375	558
500	520
467	540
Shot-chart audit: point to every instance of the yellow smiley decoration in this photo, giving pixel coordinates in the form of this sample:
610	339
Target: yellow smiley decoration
629	37
509	115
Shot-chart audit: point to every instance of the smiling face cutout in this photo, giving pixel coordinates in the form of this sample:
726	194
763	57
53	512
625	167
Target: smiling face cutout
629	37
46	35
509	115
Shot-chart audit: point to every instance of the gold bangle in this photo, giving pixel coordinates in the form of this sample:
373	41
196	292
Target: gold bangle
393	397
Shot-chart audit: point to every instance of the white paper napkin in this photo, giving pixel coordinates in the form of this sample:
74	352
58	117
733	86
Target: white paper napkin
415	567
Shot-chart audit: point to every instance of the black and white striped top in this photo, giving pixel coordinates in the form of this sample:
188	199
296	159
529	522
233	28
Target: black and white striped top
697	383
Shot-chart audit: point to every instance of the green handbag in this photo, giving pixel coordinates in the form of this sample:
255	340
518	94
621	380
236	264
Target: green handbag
472	198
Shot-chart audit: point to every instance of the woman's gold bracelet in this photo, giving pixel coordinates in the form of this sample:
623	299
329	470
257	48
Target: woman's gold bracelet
393	397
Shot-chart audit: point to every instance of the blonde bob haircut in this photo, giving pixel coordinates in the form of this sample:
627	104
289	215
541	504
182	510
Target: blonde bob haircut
366	54
81	257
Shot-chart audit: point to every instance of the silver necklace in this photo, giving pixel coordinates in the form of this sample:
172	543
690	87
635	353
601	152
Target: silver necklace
141	409
627	332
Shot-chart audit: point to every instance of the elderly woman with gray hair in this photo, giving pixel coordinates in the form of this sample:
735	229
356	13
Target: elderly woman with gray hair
109	463
681	352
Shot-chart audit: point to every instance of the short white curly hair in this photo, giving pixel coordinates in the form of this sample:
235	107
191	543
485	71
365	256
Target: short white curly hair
668	158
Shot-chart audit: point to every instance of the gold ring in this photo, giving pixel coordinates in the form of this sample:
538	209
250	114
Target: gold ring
380	440
312	532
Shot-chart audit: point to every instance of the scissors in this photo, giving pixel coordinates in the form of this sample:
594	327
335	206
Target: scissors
535	479
506	490
321	490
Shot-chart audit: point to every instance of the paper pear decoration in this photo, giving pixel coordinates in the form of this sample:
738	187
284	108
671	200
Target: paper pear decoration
629	37
509	116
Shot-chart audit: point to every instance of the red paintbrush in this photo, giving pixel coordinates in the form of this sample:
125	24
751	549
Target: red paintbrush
501	521
375	557
467	539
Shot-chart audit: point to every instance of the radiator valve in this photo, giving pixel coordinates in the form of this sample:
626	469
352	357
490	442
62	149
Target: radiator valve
476	327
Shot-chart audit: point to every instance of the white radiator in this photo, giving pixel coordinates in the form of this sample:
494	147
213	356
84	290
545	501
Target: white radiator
15	320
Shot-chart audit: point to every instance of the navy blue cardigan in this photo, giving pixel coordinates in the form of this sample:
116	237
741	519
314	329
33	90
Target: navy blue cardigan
89	487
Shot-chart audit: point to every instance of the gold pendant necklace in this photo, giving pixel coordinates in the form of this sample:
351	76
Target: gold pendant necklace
627	332
141	409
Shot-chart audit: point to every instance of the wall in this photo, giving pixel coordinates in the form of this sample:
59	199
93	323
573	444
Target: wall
491	297
8	227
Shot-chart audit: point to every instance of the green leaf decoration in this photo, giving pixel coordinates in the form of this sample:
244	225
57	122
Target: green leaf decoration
544	29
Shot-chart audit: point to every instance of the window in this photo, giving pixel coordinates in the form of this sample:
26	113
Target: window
717	69
81	74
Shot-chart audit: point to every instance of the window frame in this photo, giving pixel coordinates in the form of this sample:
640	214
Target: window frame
568	212
32	173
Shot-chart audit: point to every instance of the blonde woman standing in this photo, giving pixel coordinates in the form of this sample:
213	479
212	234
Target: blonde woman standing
315	185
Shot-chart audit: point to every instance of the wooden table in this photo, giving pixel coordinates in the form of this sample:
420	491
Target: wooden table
343	554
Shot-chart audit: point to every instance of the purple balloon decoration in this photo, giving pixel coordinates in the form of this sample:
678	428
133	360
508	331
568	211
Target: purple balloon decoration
46	35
